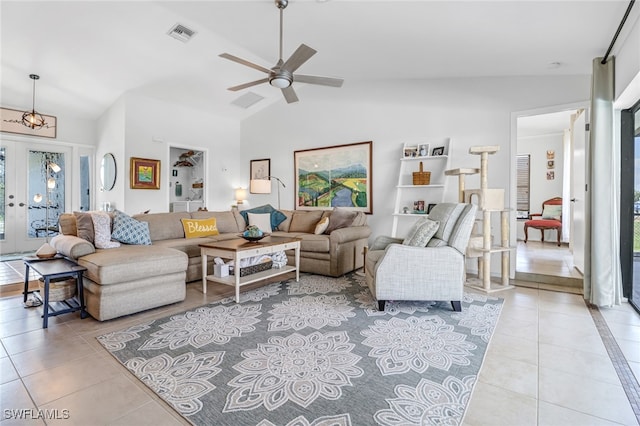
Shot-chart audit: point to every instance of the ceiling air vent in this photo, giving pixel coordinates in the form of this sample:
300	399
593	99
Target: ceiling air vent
247	100
182	33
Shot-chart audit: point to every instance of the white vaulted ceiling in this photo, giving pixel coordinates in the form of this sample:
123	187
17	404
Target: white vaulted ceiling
88	53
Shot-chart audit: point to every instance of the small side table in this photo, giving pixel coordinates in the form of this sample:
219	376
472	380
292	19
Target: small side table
52	269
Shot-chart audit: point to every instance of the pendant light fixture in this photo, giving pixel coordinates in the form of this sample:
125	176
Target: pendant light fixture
32	119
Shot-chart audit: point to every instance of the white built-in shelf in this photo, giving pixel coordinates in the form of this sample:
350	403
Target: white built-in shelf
426	157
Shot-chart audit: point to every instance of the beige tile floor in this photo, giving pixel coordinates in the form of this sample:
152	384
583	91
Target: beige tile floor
545	258
545	365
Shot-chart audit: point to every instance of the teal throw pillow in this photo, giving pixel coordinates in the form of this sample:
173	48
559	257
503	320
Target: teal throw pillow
423	234
277	217
127	230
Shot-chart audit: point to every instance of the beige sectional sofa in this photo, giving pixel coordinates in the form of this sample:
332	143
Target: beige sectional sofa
128	279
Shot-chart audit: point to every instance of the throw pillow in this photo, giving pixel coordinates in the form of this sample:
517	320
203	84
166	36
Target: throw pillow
84	226
102	227
130	231
552	211
413	229
277	217
340	218
422	234
195	228
261	220
322	226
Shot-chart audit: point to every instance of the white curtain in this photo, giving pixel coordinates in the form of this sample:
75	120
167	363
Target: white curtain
602	278
567	152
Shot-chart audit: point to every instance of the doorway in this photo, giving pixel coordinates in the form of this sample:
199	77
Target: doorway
544	144
630	204
33	188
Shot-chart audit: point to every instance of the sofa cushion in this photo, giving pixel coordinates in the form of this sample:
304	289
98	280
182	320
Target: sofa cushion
67	223
130	231
312	242
195	228
129	263
277	217
340	218
286	224
305	221
226	221
163	226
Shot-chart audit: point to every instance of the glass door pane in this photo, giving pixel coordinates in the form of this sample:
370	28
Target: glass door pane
46	192
635	294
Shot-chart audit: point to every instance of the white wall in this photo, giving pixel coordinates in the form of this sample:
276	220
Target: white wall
473	111
152	126
542	189
627	53
111	139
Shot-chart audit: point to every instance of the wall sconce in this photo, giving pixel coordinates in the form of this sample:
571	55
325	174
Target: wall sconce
241	195
263	186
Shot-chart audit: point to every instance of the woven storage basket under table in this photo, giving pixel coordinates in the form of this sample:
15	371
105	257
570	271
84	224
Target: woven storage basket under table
421	177
253	269
59	290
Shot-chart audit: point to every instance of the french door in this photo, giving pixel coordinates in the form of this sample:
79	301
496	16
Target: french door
32	193
630	204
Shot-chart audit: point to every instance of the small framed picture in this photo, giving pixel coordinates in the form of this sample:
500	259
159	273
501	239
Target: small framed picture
145	173
551	175
439	150
418	206
424	150
259	169
410	151
551	154
551	164
429	207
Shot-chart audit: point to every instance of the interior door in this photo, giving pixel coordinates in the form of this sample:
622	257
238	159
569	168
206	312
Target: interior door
24	222
578	189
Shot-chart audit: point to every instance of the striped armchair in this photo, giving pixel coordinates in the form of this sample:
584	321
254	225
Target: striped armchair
394	271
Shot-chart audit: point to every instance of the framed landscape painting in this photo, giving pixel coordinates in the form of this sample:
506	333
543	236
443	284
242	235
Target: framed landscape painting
335	176
145	173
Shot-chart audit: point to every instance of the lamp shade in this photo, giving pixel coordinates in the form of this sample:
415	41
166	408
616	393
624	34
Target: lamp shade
260	186
241	195
55	167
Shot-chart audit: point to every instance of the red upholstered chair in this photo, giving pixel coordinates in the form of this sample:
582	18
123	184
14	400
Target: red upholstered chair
550	218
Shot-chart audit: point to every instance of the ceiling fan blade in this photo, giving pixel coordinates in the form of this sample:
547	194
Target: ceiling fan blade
245	62
313	79
290	95
245	85
299	57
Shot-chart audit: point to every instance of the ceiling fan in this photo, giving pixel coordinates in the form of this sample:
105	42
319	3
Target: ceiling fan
282	74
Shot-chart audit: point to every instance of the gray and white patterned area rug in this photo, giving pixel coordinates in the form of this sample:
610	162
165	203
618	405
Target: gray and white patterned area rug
316	352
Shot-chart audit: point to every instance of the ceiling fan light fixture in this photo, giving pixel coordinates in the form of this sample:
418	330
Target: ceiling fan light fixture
281	82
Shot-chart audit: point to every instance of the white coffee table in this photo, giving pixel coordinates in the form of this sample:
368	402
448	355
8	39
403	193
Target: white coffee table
238	249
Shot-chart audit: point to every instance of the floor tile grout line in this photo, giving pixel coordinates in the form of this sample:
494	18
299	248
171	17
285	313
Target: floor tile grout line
628	380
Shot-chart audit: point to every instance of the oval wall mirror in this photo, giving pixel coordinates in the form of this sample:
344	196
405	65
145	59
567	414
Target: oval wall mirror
108	172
